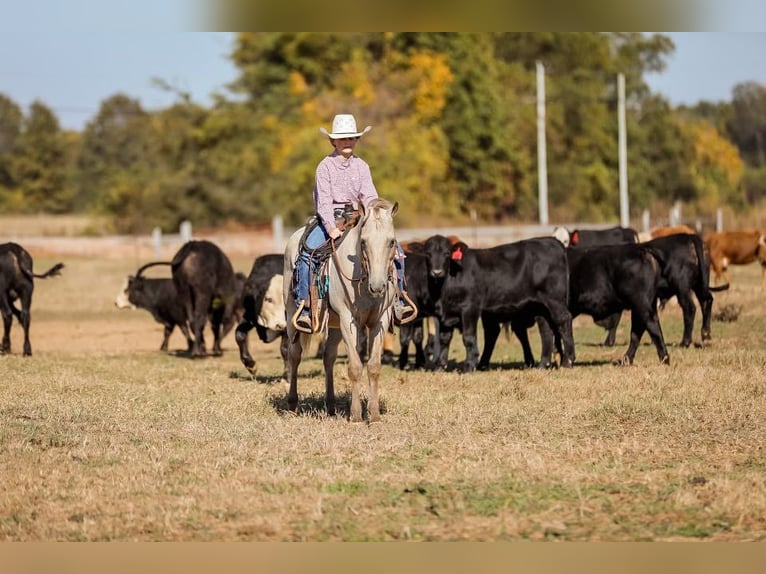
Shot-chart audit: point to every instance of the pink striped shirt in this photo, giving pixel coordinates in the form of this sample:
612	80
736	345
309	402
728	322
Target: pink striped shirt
340	181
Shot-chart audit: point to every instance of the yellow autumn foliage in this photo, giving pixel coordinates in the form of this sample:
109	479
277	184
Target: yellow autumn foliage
432	77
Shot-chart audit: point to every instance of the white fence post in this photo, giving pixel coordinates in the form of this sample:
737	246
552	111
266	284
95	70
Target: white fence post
645	220
277	230
719	219
185	230
157	242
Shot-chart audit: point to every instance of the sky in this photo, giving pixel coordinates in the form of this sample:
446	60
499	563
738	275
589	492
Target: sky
73	70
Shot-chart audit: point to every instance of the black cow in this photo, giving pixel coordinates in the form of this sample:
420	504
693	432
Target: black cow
513	282
424	290
685	270
592	238
17	282
595	237
264	307
159	297
608	279
206	284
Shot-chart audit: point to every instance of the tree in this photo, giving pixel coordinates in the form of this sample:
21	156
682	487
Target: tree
37	165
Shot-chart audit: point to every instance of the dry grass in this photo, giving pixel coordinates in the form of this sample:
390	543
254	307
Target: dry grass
102	437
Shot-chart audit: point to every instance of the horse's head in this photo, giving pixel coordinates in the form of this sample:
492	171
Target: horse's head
377	243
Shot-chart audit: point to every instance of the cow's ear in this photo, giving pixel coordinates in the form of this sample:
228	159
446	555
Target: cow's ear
456	255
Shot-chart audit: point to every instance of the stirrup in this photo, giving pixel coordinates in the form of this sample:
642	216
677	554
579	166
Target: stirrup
298	326
408	312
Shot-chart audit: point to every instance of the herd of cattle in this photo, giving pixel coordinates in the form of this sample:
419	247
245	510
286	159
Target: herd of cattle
544	281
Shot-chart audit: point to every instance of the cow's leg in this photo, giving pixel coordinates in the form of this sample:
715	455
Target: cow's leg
240	335
405	336
189	341
689	310
561	322
705	299
167	331
655	332
546	342
470	319
519	329
216	323
610	324
491	332
5	310
443	338
417	340
329	355
26	318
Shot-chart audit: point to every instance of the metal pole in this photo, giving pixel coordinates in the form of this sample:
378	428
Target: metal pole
542	172
623	151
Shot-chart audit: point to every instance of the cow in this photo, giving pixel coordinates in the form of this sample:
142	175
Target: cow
512	282
206	284
605	280
735	248
264	307
591	237
159	297
422	289
685	270
17	282
656	232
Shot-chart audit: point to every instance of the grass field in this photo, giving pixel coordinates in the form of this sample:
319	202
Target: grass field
105	438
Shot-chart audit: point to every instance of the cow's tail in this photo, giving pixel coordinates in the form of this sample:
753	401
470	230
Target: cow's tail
152	264
704	265
52	272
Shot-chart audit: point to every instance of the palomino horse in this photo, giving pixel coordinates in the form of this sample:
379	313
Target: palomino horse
360	296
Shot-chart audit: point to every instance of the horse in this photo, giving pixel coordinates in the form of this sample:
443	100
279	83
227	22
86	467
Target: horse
360	295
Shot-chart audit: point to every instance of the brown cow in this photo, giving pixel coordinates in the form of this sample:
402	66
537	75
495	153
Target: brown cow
645	236
735	248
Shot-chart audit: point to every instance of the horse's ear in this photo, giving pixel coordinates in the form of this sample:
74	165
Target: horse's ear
395	208
361	209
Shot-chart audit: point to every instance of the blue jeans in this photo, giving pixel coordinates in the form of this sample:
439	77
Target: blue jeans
305	264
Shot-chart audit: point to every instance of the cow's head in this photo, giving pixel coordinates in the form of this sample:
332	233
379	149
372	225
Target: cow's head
562	234
122	301
272	314
438	251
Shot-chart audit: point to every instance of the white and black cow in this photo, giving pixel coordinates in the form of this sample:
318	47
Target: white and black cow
264	307
593	237
605	280
17	282
515	283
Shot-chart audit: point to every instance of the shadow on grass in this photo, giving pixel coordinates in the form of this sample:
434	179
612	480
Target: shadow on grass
246	377
312	406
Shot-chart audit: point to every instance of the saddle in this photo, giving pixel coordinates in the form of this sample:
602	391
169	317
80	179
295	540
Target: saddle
345	219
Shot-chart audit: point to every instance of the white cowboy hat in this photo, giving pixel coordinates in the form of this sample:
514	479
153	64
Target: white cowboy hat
344	126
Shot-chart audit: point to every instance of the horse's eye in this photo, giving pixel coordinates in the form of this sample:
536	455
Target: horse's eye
391	243
364	244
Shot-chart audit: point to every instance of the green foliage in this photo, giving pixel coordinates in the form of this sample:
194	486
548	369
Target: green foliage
455	132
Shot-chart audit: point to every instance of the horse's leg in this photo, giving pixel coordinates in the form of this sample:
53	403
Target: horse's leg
294	353
373	373
329	355
351	337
